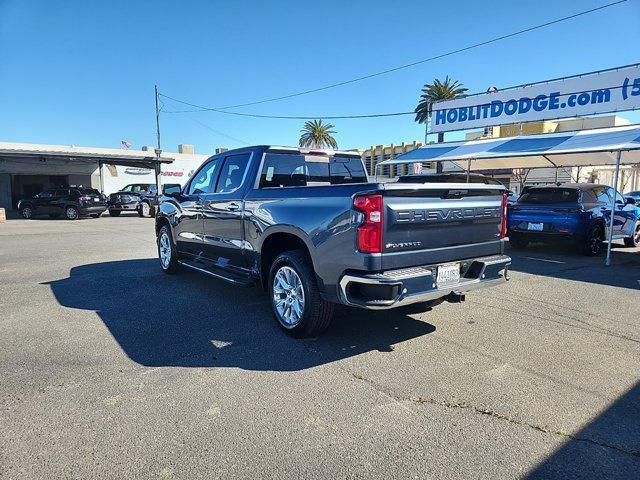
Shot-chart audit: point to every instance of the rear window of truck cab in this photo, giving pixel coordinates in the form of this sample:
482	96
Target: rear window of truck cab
300	170
550	195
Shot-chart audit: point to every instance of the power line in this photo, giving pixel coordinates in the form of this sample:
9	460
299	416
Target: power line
401	67
222	134
374	115
281	117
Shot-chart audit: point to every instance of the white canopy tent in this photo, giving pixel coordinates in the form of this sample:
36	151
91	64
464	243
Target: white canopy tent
603	146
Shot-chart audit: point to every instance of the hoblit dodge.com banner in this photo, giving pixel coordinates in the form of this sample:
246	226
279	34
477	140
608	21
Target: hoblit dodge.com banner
589	94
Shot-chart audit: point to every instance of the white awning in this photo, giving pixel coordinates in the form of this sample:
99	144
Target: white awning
566	149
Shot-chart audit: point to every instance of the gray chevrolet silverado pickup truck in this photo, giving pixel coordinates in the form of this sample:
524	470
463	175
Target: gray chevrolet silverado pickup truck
309	228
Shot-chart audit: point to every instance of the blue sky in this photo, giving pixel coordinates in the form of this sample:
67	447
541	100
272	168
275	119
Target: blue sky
82	72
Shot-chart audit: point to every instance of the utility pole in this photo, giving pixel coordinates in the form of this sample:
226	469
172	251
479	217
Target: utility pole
158	148
157	118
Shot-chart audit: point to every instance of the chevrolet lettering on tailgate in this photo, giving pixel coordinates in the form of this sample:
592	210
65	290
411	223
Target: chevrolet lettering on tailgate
446	214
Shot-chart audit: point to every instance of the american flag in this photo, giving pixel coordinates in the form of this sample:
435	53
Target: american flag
125	144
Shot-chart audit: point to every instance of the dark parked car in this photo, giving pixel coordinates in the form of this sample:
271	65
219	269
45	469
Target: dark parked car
576	212
71	202
309	228
135	197
635	195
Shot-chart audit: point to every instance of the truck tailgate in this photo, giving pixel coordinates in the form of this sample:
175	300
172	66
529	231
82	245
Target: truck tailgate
426	223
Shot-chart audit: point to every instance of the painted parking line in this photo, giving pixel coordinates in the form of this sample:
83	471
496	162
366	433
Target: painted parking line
544	260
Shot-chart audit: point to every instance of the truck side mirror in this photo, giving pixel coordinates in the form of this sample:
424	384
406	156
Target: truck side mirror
171	189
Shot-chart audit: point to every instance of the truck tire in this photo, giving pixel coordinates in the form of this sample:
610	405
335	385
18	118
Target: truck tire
634	239
517	241
295	299
114	213
167	252
591	244
144	210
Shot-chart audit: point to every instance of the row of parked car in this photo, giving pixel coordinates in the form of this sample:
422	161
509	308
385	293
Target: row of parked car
75	202
577	213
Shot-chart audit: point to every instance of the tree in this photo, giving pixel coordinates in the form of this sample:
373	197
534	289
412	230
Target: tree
316	134
520	175
434	92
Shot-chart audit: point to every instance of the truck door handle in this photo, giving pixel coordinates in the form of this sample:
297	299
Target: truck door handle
233	207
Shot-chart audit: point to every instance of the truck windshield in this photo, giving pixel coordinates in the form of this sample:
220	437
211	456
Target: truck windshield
549	195
298	170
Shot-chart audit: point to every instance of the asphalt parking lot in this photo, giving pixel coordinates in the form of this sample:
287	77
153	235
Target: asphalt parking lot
111	369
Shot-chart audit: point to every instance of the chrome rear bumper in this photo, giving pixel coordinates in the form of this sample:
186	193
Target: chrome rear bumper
396	288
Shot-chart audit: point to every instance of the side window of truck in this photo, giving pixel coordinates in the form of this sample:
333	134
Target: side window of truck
204	180
297	170
232	173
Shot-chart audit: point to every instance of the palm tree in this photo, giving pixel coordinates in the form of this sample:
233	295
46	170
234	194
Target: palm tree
316	134
434	92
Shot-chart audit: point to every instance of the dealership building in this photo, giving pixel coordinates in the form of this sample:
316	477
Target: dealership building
27	169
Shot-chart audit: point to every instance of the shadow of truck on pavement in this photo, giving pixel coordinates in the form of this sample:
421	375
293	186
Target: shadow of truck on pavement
191	320
606	448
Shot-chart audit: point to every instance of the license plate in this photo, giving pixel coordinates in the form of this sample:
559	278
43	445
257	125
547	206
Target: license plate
448	274
536	227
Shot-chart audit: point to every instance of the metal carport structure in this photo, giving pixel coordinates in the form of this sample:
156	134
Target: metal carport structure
604	146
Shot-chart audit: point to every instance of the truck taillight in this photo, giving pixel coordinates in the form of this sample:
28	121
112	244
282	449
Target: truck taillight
503	224
370	231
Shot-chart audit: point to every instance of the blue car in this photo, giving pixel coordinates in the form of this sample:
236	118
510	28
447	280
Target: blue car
635	195
574	212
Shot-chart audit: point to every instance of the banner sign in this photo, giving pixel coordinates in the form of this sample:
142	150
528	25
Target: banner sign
589	94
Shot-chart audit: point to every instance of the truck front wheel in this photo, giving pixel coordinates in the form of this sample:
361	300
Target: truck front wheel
295	299
167	251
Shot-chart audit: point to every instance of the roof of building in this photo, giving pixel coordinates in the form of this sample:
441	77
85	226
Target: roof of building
37	149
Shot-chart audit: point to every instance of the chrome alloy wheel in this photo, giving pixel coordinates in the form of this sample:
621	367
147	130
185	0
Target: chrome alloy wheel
27	212
636	236
288	296
146	209
71	213
164	246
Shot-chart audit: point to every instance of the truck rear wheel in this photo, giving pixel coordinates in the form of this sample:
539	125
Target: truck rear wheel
295	299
